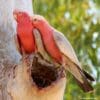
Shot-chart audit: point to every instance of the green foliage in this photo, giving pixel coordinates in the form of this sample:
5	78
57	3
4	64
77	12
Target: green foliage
82	28
97	3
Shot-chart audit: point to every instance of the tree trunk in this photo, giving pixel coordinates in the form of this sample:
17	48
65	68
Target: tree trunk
37	81
9	57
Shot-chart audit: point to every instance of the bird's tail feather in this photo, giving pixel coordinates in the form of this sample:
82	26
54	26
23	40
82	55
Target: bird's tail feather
79	75
85	86
88	76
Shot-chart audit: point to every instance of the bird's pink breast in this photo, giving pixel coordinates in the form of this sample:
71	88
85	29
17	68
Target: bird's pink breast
50	44
26	37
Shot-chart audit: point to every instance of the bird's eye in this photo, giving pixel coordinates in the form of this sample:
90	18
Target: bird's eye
35	19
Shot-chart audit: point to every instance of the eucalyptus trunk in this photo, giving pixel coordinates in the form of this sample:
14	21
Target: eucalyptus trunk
9	57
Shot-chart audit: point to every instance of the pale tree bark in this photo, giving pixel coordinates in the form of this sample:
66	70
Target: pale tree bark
49	82
9	57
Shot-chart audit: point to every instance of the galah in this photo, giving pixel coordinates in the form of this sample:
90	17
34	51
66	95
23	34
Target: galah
24	38
61	51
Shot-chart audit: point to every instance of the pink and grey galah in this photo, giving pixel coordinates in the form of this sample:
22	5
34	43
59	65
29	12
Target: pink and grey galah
24	37
61	51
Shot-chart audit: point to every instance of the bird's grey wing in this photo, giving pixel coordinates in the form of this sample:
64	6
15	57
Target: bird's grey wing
39	44
75	67
65	47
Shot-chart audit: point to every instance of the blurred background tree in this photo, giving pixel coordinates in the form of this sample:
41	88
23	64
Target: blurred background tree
79	20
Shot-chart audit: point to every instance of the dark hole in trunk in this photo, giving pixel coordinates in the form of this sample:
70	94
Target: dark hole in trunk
44	74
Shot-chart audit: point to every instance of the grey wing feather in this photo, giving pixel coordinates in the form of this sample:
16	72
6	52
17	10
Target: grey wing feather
74	66
65	47
39	44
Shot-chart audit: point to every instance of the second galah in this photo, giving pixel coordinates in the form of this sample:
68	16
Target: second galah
61	51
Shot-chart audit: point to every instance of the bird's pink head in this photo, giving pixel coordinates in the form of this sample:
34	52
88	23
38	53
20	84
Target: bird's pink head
21	17
38	21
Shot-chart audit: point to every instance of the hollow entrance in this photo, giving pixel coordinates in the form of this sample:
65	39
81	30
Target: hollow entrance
45	73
